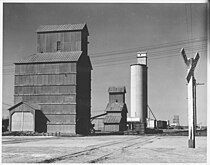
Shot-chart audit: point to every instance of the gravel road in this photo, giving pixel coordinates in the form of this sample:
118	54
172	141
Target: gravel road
103	149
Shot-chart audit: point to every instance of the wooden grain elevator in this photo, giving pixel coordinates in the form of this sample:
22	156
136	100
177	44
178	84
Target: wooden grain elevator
56	82
116	118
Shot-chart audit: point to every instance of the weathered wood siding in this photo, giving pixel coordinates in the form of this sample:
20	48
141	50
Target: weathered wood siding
99	124
61	119
63	108
53	87
69	41
45	68
61	128
119	97
111	127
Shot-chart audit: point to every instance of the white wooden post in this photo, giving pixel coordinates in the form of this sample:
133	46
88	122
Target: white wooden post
191	114
191	64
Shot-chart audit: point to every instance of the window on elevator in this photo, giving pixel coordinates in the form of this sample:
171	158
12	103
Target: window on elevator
58	46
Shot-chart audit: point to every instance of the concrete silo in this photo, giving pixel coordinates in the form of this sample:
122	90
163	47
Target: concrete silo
139	92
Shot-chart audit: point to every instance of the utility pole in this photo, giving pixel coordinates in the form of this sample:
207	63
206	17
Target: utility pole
191	64
195	88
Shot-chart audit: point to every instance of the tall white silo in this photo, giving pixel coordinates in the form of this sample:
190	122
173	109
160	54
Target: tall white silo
139	91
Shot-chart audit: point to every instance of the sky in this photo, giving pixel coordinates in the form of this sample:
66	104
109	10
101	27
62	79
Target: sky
117	33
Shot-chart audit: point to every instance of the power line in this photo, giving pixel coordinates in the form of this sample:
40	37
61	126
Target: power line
126	62
159	46
129	58
152	47
154	54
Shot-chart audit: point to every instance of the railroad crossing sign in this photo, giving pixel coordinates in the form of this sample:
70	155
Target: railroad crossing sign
191	64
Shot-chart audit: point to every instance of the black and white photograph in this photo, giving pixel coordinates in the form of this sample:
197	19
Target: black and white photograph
105	82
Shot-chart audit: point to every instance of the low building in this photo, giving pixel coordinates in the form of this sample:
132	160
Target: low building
27	117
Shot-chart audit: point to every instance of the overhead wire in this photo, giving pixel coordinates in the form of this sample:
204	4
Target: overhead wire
151	55
158	46
126	62
151	50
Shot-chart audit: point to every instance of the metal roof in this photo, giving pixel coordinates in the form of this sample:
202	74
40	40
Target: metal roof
112	119
117	89
33	106
115	106
52	57
54	28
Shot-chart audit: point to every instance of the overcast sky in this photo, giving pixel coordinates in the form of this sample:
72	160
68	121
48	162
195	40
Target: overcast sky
117	32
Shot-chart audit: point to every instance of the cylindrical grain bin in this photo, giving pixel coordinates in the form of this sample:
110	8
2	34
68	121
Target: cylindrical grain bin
139	91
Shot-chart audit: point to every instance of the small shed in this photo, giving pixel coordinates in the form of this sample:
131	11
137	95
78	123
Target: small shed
26	117
116	118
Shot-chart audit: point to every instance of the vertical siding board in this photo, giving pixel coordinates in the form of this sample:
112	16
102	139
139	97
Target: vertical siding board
50	79
17	69
32	69
53	79
61	79
16	90
48	42
67	47
57	69
62	41
78	45
23	80
73	67
38	43
54	44
78	36
61	68
42	43
41	66
38	68
17	80
22	69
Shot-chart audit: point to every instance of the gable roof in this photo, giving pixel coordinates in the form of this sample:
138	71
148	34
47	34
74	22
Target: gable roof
56	28
33	106
52	57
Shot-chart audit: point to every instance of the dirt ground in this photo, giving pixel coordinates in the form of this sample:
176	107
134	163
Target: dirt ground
103	149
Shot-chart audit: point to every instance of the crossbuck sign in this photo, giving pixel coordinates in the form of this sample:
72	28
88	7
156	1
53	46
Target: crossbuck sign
191	64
